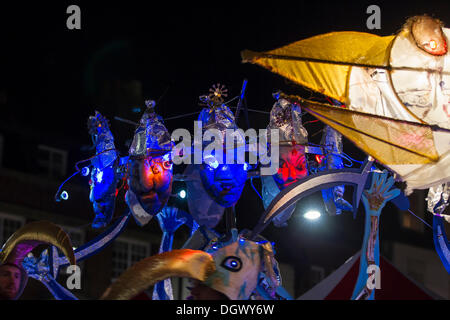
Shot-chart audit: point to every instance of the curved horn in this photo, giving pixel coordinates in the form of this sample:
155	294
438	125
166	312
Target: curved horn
184	263
269	261
30	236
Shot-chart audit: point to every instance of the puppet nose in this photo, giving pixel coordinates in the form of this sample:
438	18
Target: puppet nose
156	168
224	173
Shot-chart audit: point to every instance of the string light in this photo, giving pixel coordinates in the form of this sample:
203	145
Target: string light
85	171
64	195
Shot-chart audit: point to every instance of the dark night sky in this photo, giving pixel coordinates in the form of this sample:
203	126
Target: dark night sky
51	72
53	75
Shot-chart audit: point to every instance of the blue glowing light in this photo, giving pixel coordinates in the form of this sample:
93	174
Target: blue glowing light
241	241
166	157
234	263
64	195
99	176
182	194
85	171
211	161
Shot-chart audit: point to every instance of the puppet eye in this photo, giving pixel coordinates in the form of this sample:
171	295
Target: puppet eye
433	44
232	263
211	162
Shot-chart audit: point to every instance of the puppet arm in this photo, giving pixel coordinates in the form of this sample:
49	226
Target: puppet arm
39	269
374	200
169	223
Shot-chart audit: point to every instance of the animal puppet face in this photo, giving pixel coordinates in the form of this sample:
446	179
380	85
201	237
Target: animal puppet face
428	35
151	180
237	268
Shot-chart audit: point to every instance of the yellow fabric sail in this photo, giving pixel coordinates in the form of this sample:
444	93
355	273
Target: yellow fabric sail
396	94
323	63
390	141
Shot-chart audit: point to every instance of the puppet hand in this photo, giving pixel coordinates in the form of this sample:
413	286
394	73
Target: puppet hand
169	220
438	199
37	268
376	197
339	201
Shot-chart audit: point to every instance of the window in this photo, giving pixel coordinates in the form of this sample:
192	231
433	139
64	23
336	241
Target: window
8	225
316	275
126	252
53	161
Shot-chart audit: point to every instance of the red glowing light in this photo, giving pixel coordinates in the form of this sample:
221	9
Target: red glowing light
319	158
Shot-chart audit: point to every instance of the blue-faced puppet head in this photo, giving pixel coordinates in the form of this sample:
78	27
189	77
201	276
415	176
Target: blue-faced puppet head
150	166
104	174
223	176
224	182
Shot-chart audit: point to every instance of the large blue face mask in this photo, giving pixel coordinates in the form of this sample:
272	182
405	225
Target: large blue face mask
224	182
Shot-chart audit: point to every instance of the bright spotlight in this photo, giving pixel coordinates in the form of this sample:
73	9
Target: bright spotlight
182	194
312	215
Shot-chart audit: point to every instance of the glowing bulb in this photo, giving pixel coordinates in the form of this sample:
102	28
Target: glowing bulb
312	215
182	194
433	44
85	171
64	195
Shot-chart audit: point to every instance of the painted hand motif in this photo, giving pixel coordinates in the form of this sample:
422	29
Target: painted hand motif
169	219
37	268
376	197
